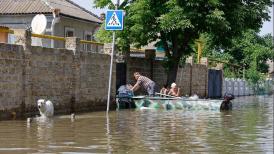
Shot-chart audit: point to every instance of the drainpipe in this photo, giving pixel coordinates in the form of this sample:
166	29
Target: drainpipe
56	19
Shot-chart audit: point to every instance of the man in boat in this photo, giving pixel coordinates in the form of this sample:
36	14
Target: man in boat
227	104
144	82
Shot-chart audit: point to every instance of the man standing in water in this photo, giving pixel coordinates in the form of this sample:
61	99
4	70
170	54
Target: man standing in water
144	82
226	104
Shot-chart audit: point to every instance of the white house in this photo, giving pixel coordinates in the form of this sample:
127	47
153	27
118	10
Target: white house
64	19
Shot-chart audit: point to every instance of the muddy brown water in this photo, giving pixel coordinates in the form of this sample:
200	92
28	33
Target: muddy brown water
246	129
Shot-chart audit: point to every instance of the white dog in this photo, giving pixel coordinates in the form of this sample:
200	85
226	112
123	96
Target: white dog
46	108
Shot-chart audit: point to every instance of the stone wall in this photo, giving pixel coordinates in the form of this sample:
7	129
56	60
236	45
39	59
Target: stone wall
184	78
51	77
73	80
199	80
159	73
11	76
94	76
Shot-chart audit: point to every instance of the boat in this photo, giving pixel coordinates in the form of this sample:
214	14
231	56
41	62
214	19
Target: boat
126	99
166	103
182	103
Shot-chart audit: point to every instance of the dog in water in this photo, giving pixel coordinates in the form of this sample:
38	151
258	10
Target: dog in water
46	108
227	104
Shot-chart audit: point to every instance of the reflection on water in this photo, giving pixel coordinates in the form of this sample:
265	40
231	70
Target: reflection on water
246	129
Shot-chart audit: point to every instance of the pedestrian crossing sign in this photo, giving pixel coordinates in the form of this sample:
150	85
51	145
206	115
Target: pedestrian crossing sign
114	20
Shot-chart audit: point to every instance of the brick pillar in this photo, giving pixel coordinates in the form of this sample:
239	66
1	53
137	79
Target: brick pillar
4	35
107	48
73	43
23	37
204	61
190	60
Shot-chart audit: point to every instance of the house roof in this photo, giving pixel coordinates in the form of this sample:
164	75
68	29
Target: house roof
67	8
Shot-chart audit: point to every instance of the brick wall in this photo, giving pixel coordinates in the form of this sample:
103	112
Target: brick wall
183	79
51	77
11	76
94	76
199	80
72	79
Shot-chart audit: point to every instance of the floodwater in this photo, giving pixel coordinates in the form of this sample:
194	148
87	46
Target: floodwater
246	129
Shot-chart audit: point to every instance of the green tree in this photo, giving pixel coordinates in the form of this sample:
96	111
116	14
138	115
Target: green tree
251	51
177	23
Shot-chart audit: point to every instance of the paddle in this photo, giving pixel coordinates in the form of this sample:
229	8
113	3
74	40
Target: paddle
167	95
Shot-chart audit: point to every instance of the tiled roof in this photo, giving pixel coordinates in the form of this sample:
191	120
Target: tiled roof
67	8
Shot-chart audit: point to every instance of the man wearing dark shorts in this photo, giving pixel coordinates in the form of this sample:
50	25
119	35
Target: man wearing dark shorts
144	82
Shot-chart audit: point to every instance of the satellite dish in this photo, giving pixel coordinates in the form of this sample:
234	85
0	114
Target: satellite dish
39	24
117	2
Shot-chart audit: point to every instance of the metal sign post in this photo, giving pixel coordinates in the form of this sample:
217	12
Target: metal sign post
114	21
110	70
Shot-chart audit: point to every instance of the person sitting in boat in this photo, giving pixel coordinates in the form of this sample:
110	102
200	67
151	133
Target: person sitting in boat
174	91
129	86
144	82
164	91
227	104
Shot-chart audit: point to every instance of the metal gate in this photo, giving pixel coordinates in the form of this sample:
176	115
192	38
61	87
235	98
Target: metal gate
214	83
121	71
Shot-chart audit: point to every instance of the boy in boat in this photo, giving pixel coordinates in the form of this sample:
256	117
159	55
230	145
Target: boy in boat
144	82
226	104
164	91
174	91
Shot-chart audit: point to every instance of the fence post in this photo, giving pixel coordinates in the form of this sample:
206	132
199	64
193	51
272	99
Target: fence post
73	43
23	37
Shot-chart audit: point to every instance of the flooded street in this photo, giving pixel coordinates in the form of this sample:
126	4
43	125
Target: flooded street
246	129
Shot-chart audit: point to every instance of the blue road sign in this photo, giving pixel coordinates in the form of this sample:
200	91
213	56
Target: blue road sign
114	20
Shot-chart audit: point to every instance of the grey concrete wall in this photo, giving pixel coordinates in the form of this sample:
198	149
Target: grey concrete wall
199	80
159	73
184	78
11	76
72	79
94	77
51	77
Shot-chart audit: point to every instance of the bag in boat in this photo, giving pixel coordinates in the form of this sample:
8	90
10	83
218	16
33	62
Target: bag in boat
124	91
124	97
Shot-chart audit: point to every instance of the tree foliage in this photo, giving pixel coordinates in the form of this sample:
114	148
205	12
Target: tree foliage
178	23
249	52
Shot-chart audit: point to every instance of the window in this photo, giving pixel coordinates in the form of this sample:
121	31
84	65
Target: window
69	32
88	37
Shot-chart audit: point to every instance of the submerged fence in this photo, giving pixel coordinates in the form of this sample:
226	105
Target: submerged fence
240	87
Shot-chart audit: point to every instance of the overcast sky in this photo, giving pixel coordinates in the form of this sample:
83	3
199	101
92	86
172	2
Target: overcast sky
87	4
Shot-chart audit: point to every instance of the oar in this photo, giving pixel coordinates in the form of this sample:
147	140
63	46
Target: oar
167	95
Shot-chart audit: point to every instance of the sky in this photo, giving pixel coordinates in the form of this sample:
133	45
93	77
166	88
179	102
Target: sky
88	4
